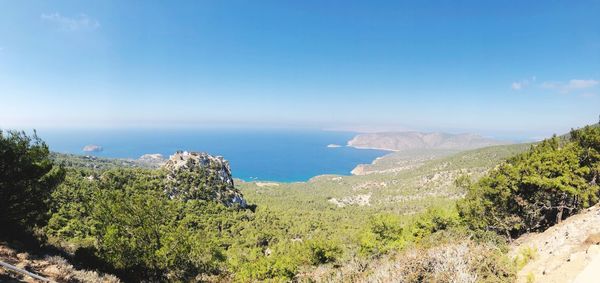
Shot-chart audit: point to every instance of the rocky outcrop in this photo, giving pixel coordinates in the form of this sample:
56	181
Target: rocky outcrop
401	141
154	160
153	157
360	200
198	175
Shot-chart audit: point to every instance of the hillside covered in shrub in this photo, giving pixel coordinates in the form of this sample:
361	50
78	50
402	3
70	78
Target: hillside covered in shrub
180	223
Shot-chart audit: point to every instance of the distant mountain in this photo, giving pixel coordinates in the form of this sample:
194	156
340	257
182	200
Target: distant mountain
400	141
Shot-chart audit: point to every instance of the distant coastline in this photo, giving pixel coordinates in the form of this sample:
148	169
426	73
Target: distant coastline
253	154
373	148
400	141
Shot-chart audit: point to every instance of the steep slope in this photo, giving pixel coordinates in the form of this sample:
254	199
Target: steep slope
400	141
564	252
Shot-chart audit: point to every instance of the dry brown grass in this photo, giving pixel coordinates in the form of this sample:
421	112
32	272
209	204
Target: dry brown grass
52	267
593	239
457	262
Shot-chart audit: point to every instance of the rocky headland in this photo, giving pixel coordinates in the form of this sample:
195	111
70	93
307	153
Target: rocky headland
402	141
199	175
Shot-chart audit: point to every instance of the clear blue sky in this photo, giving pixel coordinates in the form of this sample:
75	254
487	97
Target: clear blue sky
495	67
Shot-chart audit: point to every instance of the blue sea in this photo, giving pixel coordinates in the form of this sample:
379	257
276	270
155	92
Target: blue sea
268	155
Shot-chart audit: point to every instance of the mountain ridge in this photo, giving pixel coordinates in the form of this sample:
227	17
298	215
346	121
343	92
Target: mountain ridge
401	141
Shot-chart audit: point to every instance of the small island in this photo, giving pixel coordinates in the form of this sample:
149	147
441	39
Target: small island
92	148
332	145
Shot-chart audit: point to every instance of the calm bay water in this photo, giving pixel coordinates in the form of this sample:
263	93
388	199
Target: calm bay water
276	155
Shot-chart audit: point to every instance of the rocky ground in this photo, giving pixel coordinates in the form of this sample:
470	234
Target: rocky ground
567	252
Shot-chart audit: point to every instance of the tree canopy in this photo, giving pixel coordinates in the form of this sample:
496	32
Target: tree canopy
27	178
539	188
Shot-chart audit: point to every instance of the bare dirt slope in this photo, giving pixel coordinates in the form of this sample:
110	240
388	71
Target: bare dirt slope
567	252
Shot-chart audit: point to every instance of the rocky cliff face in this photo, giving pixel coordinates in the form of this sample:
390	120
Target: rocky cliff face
400	141
198	175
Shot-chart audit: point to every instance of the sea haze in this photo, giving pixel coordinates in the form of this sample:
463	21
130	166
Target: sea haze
275	155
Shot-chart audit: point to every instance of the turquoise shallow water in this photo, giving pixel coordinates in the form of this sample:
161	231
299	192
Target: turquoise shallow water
275	155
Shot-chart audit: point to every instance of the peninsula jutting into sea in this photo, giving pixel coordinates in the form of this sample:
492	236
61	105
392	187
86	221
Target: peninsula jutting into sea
303	157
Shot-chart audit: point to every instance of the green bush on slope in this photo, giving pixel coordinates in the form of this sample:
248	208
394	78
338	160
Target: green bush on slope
27	178
125	218
386	232
128	221
537	189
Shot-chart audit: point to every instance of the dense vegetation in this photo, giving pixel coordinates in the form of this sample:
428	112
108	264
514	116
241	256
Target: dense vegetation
27	178
96	163
122	220
538	188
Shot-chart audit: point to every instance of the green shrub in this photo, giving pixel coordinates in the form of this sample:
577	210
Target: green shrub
384	233
323	251
278	263
433	220
525	255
